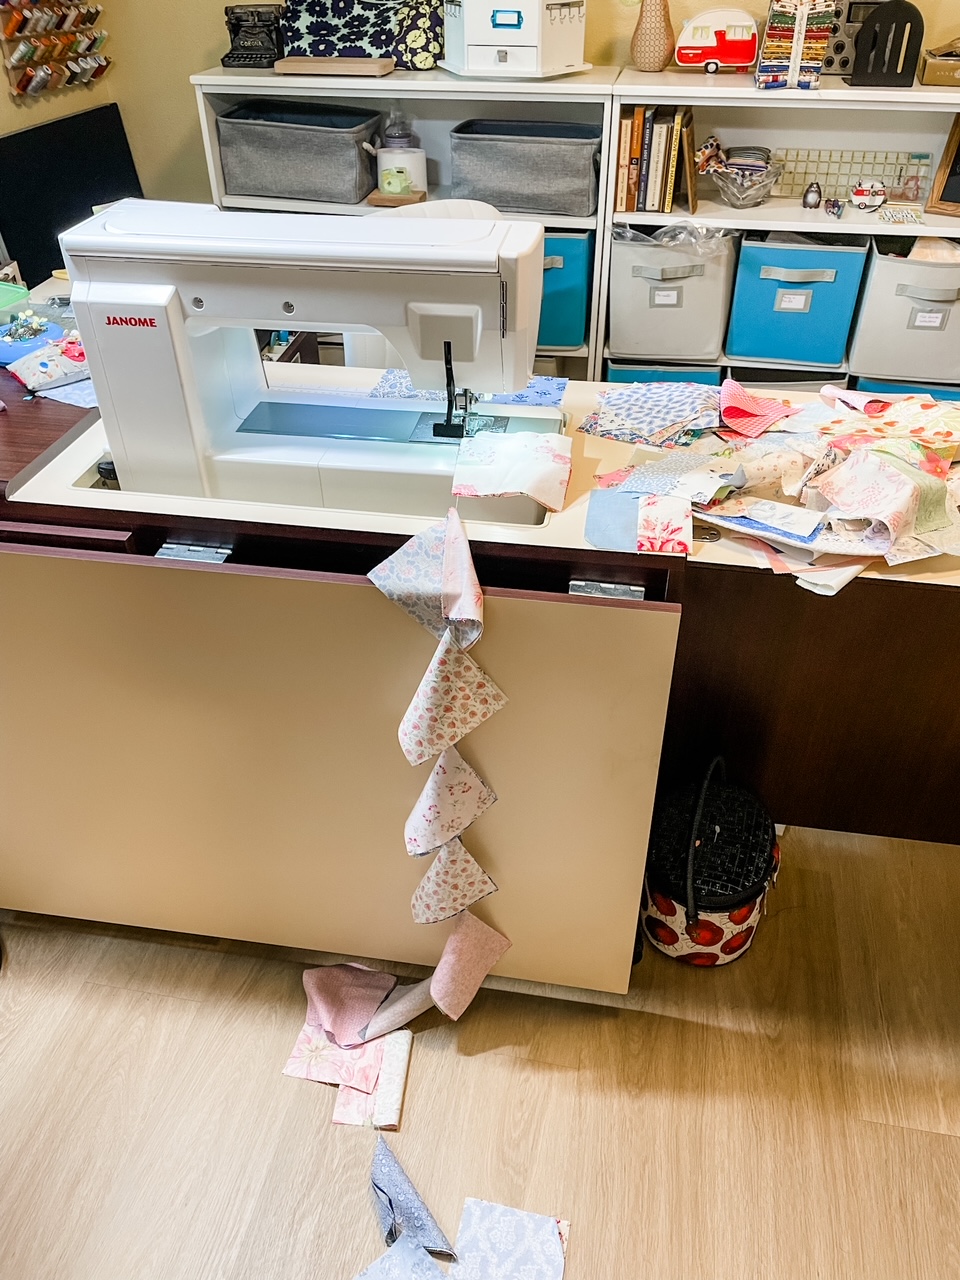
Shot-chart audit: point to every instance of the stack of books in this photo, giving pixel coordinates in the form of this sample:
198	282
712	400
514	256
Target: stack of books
656	148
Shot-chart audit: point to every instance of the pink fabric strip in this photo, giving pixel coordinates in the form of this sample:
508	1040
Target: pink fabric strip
750	415
453	797
460	592
342	998
472	949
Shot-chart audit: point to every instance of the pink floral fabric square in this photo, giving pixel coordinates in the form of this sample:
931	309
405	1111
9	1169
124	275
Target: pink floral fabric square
454	882
454	797
471	951
665	524
316	1057
454	697
529	464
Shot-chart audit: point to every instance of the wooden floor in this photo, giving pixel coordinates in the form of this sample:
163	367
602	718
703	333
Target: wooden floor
794	1116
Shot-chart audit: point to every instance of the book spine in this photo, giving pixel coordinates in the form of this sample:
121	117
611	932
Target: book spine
636	143
645	158
658	155
670	183
623	157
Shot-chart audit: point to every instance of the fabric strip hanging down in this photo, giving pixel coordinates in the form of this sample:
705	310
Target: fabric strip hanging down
433	579
350	1007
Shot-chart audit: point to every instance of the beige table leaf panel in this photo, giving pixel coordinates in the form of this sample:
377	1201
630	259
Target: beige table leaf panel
214	751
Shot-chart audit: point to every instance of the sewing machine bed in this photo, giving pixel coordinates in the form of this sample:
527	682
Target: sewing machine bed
353	454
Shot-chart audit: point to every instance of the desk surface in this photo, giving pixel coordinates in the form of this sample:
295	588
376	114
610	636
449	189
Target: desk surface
30	427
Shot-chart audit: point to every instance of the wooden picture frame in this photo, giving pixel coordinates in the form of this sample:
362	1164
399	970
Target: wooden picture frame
945	194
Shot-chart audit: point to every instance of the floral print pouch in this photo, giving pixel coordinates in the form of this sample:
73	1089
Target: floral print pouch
409	30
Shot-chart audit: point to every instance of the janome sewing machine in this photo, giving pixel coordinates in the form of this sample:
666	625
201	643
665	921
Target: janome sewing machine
167	298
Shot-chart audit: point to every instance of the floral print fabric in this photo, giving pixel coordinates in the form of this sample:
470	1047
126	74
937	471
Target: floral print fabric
432	578
665	524
528	464
454	698
404	1260
411	32
454	882
401	1211
316	1057
452	799
655	412
496	1242
380	1107
395	384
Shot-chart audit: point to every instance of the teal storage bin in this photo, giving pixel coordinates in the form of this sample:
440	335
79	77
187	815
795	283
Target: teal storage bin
908	389
567	271
795	299
618	371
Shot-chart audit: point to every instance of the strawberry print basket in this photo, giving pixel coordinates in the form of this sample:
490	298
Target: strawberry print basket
713	858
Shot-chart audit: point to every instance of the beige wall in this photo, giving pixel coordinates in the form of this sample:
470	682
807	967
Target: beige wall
151	77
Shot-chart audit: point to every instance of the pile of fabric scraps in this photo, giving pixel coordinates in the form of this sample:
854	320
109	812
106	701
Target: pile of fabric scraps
493	1241
354	1013
655	413
869	478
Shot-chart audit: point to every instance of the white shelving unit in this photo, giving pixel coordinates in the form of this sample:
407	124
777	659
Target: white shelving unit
837	116
434	102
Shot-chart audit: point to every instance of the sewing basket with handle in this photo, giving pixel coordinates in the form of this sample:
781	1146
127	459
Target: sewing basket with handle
713	858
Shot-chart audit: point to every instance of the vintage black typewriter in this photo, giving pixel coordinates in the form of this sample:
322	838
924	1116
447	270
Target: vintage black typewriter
255	36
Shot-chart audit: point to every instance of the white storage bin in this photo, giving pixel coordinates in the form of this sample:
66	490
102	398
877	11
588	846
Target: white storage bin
909	323
668	303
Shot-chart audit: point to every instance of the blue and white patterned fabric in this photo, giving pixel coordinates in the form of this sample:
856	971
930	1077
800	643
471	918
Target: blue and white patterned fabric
405	1260
655	412
661	477
395	384
496	1242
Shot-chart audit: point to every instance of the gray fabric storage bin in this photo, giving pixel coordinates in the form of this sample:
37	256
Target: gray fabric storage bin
669	303
909	322
298	151
527	166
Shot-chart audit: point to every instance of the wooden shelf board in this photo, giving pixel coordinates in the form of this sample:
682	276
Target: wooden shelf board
779	214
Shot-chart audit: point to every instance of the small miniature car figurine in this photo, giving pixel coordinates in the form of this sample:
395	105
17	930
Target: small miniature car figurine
868	196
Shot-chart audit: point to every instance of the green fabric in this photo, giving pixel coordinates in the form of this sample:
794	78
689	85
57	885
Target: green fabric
932	511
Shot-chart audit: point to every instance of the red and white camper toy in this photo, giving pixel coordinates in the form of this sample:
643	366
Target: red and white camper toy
719	38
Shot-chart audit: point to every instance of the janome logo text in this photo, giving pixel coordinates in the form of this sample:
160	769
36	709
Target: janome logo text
134	322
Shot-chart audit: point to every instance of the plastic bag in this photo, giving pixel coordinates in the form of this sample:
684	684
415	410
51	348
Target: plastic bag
706	242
